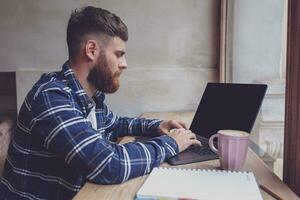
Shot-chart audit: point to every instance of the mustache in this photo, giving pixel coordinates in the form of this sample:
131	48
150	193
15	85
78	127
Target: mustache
117	73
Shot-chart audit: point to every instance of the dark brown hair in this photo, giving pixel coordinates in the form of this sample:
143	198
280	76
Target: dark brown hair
89	20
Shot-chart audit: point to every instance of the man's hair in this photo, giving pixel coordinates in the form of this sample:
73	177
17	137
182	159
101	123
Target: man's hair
91	20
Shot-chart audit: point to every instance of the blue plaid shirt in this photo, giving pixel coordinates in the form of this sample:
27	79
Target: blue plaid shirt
55	150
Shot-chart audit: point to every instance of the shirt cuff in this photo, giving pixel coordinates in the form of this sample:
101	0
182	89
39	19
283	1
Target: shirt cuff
153	128
169	144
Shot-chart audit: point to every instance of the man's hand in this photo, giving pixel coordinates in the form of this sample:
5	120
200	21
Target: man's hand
184	138
167	125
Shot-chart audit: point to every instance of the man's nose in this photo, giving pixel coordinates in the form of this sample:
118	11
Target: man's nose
123	64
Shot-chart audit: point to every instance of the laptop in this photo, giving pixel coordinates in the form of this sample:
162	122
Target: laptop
222	106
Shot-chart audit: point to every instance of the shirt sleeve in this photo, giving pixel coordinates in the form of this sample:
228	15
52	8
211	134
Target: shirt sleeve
62	129
122	126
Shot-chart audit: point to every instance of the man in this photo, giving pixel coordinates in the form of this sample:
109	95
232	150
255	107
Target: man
65	134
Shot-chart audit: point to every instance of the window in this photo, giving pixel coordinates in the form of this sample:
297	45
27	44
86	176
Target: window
253	50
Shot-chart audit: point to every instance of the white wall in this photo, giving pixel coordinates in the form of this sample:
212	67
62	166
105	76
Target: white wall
171	52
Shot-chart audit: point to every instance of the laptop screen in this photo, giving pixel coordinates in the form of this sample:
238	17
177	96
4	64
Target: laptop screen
228	106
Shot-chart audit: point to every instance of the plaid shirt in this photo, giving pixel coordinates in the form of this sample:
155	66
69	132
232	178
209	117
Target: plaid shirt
55	149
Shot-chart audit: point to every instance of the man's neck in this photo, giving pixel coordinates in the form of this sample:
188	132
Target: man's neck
81	73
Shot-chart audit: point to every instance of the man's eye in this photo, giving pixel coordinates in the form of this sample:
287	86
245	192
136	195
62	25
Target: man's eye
119	54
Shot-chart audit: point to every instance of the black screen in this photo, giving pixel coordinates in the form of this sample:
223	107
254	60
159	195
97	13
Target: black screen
228	106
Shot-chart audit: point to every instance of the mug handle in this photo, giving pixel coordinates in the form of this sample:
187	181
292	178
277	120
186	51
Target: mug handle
211	143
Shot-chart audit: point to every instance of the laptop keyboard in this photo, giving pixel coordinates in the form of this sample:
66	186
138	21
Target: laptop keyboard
201	150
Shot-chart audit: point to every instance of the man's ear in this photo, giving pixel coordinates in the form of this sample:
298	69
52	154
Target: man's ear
91	49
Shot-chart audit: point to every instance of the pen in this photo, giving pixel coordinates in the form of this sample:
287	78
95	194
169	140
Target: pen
268	191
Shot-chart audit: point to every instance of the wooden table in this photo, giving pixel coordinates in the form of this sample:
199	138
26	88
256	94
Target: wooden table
128	189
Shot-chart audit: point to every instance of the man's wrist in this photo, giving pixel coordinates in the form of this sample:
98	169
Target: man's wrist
170	144
154	128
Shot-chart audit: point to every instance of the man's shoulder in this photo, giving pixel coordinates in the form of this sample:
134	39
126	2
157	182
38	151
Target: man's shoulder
50	90
47	84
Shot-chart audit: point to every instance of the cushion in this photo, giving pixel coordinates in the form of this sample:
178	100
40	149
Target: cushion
5	135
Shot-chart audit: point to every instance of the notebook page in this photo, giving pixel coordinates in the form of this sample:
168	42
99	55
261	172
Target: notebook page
199	184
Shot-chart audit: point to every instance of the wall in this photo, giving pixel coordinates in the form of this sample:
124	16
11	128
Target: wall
171	52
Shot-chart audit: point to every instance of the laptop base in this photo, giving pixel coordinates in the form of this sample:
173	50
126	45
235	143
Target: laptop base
187	157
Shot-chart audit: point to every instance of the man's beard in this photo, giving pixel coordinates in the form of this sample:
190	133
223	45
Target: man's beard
101	76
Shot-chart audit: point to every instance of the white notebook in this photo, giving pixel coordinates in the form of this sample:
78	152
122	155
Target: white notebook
171	183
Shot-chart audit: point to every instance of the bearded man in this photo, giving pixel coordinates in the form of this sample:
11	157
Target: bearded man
65	134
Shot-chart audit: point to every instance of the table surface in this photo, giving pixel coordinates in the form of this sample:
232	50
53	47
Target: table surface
127	190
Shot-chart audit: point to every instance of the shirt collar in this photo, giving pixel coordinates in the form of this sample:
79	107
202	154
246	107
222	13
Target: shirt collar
73	83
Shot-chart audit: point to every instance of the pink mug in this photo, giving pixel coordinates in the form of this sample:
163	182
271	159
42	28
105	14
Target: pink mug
232	148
